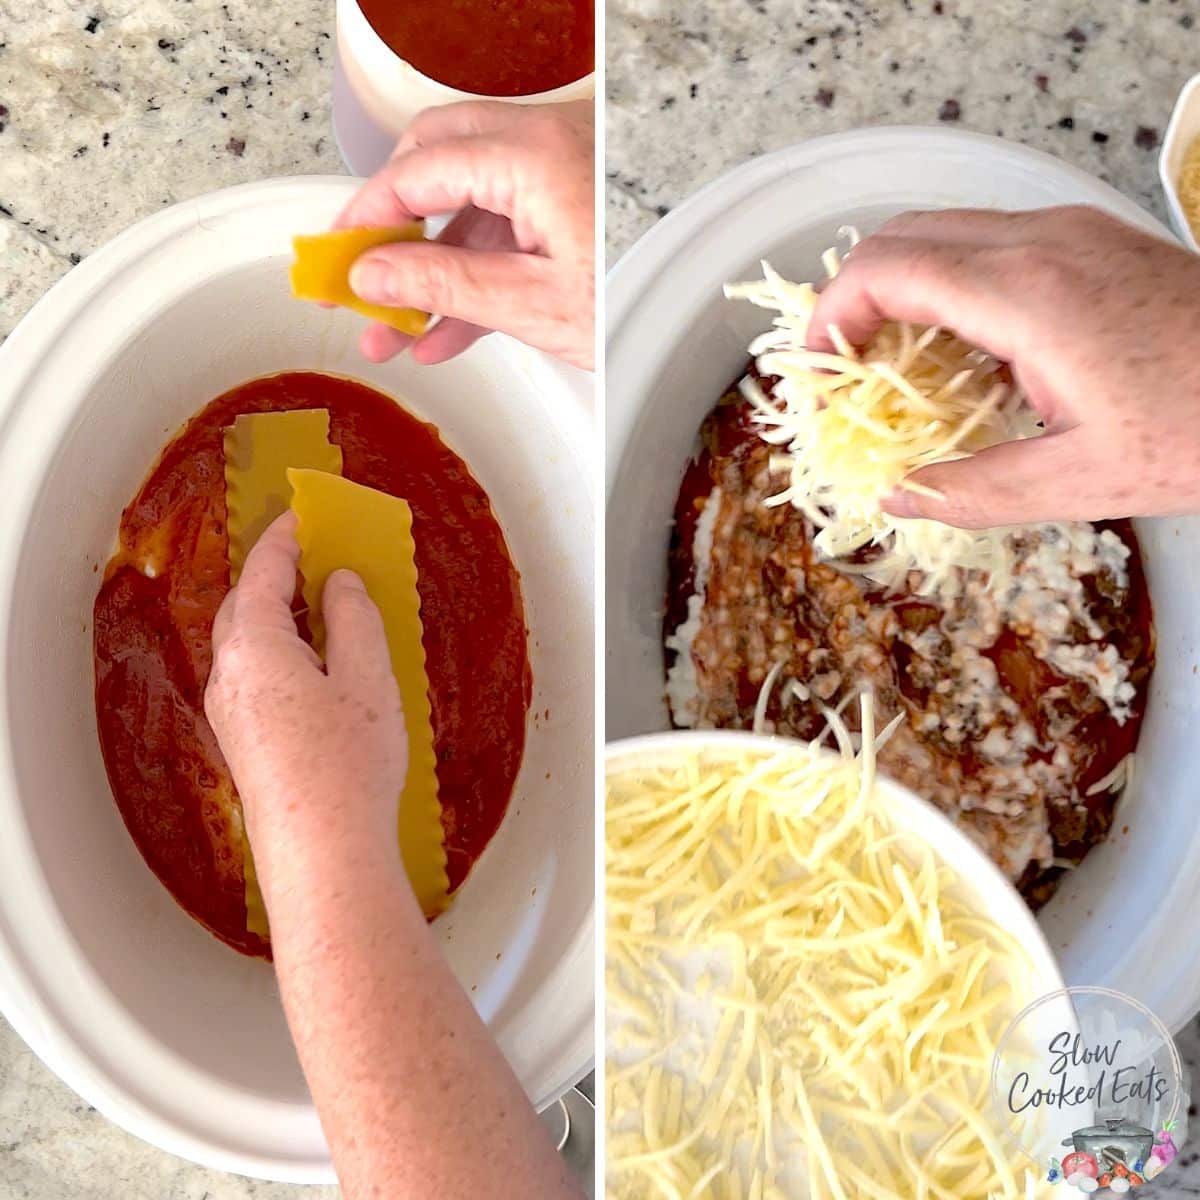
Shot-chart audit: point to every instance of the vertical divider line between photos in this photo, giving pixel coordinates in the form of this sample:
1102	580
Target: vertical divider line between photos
598	477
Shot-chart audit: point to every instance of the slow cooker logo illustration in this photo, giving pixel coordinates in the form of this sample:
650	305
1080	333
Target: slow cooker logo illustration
1117	1155
1088	1083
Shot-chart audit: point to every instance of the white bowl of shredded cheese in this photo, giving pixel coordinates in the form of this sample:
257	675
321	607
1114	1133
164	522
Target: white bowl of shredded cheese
809	970
674	344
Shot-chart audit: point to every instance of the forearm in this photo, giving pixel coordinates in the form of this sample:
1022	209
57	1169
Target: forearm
415	1098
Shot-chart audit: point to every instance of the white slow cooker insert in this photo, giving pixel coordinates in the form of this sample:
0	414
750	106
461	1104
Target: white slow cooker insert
1123	919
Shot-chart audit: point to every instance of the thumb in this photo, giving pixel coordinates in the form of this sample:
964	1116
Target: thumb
1046	478
356	648
499	289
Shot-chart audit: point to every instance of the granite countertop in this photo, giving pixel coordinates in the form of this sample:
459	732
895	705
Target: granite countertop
109	110
55	1146
695	89
112	109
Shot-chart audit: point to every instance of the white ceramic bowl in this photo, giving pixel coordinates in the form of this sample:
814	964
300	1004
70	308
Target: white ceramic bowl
1181	132
1124	918
392	91
147	1016
979	886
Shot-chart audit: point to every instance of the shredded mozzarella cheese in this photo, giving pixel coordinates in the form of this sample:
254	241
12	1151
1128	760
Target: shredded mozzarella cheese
798	1004
854	425
683	692
1116	780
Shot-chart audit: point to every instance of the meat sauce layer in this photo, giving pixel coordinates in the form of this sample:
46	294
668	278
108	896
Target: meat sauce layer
1007	729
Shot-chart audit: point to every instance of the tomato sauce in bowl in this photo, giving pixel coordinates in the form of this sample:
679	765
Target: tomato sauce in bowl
153	628
490	47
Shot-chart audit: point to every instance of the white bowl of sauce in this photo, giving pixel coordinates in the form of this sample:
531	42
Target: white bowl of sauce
155	1022
400	58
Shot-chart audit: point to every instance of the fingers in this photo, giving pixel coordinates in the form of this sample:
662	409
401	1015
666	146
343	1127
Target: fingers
447	339
373	206
493	289
507	262
260	603
472	118
376	202
485	172
444	341
263	596
409	187
500	171
356	648
1038	479
380	342
223	621
973	291
467	154
966	226
975	271
474	228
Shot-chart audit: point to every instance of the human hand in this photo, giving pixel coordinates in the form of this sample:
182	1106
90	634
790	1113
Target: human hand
309	748
1098	321
319	758
518	257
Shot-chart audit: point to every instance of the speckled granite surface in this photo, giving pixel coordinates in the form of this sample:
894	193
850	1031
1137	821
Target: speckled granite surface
53	1146
695	89
111	109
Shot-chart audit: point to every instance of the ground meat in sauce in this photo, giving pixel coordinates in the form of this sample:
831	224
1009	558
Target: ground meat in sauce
995	734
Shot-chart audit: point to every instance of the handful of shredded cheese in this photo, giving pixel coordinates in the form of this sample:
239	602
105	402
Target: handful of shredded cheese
798	1005
854	425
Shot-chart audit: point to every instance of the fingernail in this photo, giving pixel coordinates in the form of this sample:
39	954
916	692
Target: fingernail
345	578
369	280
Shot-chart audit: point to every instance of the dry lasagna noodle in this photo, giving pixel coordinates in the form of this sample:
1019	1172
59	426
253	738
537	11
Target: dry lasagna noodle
321	272
343	525
259	449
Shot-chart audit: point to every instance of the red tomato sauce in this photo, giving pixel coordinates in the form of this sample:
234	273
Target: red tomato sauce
490	47
153	630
